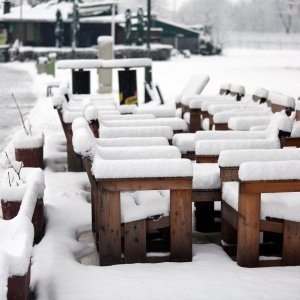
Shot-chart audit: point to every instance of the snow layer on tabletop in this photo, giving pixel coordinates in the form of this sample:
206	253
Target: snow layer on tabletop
146	131
280	99
276	205
126	117
196	101
225	100
127	109
127	63
143	168
70	116
258	128
132	142
206	176
58	101
104	99
16	238
273	170
79	123
214	147
245	123
108	113
237	88
261	93
284	122
104	40
23	141
214	108
160	111
224	116
13	189
174	123
143	204
233	158
227	134
184	141
195	85
187	117
138	152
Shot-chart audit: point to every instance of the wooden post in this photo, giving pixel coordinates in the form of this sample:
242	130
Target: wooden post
194	120
135	241
291	244
181	225
109	227
248	230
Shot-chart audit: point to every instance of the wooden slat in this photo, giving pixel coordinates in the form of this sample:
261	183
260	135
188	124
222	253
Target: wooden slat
228	224
134	184
275	186
135	241
206	195
31	157
202	159
161	223
291	243
271	226
109	228
229	174
290	142
189	155
277	108
221	126
181	225
248	230
194	120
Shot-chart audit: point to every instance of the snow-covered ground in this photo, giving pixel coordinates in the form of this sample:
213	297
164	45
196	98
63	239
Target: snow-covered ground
56	271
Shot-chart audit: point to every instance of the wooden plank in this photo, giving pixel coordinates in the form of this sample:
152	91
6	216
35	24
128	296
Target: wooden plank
31	157
136	184
290	142
161	223
277	108
222	126
297	115
228	224
189	155
271	226
135	241
181	225
275	186
248	230
109	228
229	174
206	195
202	159
291	243
194	120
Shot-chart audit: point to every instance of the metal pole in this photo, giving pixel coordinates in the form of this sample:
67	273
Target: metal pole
148	23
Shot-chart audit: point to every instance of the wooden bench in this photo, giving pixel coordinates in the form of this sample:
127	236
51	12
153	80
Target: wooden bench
242	224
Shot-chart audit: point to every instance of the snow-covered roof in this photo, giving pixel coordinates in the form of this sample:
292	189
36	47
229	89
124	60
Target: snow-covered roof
46	12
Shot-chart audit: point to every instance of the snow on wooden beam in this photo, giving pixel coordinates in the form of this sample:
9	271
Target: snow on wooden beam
104	64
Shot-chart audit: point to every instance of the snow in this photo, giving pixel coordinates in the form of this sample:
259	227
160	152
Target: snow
196	102
225	99
225	86
84	142
184	141
142	168
23	141
91	113
78	123
104	64
127	117
237	88
132	142
13	189
261	93
138	152
104	40
214	147
161	111
224	116
174	123
277	205
206	176
233	158
280	99
146	131
245	123
271	170
296	129
224	134
211	274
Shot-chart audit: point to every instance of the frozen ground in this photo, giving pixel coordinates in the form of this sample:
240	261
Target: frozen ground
56	271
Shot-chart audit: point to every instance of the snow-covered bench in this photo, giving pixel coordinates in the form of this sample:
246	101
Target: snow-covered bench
135	156
247	175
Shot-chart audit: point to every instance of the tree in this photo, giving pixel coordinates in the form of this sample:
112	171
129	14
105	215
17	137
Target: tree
287	11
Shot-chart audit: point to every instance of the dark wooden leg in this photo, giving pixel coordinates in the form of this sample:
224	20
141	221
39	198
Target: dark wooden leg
248	230
109	211
291	243
194	121
135	241
181	225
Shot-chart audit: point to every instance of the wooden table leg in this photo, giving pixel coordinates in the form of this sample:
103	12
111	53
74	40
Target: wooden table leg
181	225
248	230
109	222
